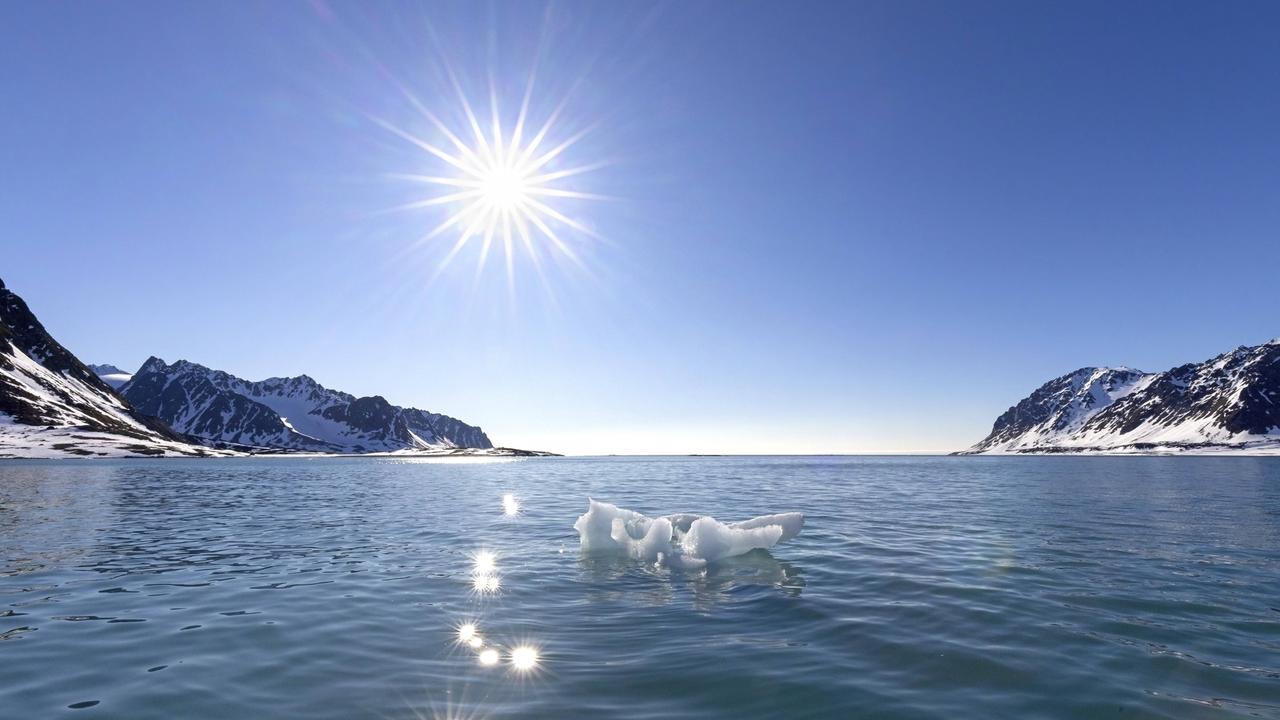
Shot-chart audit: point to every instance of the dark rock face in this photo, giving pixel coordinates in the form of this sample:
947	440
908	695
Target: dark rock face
367	414
288	413
44	384
1238	390
205	411
19	326
1230	401
429	424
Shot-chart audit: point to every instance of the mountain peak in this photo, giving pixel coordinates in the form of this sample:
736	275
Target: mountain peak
153	364
1225	402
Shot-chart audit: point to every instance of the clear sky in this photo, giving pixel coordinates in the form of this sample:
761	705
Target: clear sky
844	227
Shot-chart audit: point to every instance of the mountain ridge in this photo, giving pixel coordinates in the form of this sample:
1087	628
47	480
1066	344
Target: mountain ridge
52	405
1229	403
288	413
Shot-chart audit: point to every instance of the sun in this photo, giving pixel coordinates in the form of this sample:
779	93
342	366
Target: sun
504	188
501	186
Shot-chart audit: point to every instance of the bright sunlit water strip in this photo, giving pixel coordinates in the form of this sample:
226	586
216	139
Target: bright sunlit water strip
919	588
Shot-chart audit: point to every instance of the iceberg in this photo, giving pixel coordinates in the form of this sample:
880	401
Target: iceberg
682	540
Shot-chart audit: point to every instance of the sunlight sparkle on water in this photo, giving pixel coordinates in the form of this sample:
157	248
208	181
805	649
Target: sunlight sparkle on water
524	658
486	583
489	657
510	506
466	631
486	563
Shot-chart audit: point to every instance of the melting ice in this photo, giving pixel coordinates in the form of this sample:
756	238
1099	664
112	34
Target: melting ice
682	540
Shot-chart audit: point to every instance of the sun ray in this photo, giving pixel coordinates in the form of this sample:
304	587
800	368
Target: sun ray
554	153
518	132
557	215
435	180
523	229
568	172
490	228
551	235
438	200
540	135
444	129
461	243
426	146
452	220
554	192
498	156
481	142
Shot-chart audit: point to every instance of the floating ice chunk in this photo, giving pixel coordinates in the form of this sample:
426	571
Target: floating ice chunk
682	521
654	539
712	540
683	540
595	529
791	523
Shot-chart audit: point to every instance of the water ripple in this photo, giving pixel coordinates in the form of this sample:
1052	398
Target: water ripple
921	587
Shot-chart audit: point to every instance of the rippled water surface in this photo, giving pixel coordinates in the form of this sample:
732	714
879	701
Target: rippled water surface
920	588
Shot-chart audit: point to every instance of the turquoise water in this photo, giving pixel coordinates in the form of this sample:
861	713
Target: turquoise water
920	588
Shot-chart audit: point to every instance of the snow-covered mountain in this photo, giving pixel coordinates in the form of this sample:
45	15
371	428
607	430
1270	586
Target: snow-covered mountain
52	405
1228	404
111	375
294	413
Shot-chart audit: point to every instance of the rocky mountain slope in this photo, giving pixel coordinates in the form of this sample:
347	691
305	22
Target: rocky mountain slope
293	413
1230	403
52	405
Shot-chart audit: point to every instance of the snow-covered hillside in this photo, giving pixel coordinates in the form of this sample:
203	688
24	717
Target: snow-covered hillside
1228	404
295	413
52	405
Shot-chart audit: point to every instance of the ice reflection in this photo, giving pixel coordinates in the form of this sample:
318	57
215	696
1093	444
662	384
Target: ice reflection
510	506
616	579
759	569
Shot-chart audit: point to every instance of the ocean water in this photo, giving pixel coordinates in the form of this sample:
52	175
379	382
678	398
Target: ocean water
920	588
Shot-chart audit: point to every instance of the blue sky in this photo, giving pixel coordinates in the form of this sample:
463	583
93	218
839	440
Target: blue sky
845	227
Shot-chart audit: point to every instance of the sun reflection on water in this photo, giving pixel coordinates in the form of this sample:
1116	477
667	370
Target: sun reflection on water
485	563
524	658
486	583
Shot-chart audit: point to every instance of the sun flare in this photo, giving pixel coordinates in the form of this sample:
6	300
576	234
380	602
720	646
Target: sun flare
501	186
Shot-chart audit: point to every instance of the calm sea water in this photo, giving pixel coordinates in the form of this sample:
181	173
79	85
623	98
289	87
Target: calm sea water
920	588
